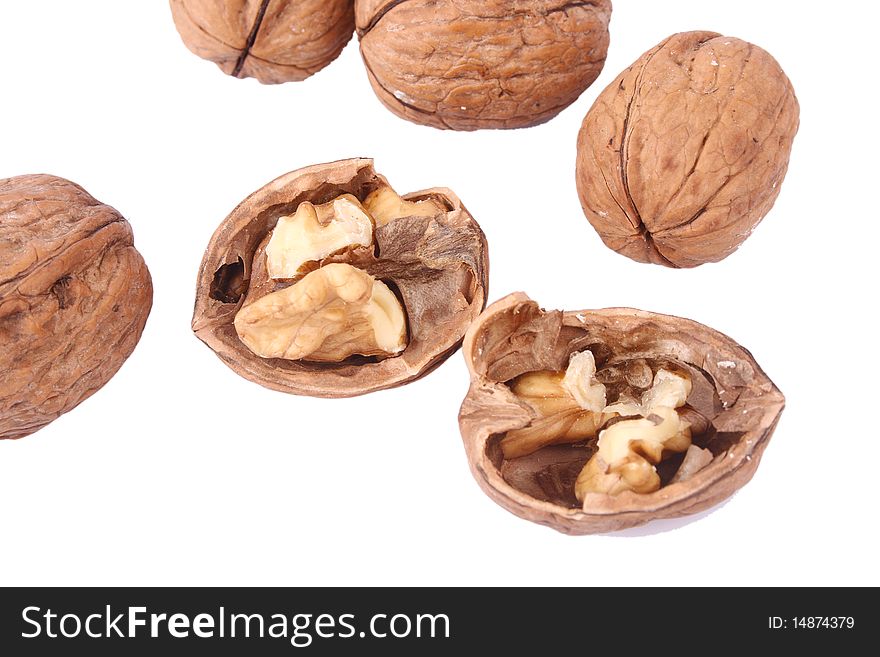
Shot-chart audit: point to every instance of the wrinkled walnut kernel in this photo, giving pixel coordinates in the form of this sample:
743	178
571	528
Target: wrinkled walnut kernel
315	232
386	205
580	381
572	408
560	419
629	450
332	313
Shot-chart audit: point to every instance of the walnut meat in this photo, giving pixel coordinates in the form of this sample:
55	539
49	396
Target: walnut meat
325	282
74	298
675	417
334	312
471	64
684	153
271	40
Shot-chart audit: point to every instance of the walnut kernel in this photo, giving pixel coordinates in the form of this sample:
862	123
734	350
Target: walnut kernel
332	313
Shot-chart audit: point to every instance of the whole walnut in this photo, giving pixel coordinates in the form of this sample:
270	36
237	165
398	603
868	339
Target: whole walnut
74	298
471	64
684	153
271	40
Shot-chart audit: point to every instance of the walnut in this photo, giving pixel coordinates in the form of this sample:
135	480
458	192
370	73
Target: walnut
628	451
695	459
569	407
385	205
334	312
559	418
325	282
688	415
271	40
74	298
684	153
580	382
315	232
471	64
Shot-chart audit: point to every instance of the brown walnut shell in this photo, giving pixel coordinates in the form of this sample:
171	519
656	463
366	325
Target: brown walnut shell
439	267
684	153
74	298
471	64
513	336
271	40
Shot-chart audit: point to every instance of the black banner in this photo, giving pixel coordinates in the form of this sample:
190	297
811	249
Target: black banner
429	621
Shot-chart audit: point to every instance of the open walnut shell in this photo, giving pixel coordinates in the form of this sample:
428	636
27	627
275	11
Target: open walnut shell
437	266
74	298
740	407
271	40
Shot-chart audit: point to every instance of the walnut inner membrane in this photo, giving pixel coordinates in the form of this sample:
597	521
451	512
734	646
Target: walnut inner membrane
629	424
321	290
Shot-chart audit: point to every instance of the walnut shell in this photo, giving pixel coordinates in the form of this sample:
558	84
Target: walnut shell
438	265
684	153
740	404
271	40
74	298
471	64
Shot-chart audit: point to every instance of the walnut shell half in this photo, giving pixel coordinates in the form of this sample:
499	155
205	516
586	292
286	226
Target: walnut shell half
733	406
471	64
271	40
684	153
74	297
437	266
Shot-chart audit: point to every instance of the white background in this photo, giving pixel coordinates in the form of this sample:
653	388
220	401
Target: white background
181	472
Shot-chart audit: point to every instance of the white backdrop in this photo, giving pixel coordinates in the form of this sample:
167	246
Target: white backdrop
181	472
